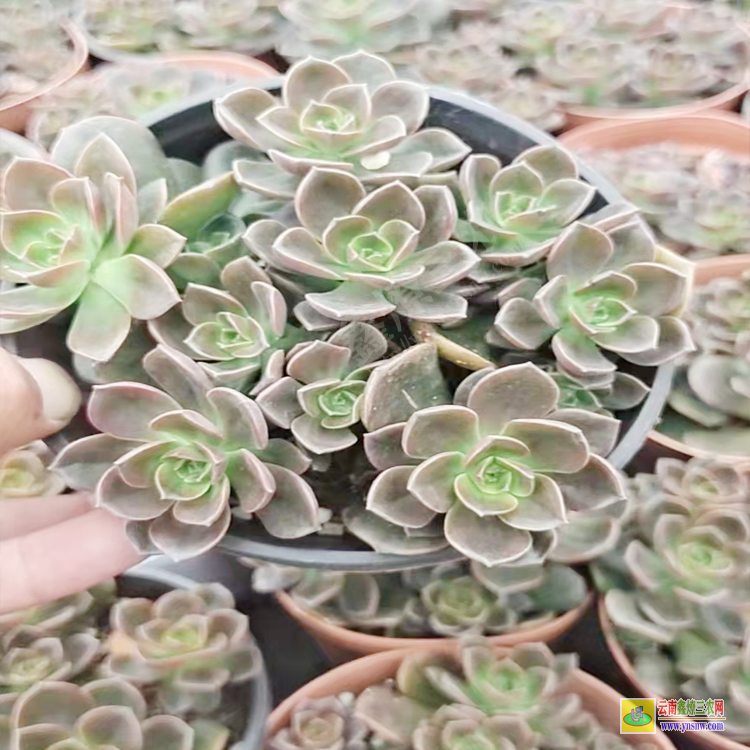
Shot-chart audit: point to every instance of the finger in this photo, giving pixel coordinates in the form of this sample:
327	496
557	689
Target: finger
23	515
63	560
37	398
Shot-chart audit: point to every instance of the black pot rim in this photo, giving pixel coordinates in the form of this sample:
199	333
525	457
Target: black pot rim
261	700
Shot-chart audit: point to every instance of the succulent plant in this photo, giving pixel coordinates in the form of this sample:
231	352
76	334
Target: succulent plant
25	473
531	100
712	391
30	656
382	252
625	392
173	25
73	239
344	27
188	644
107	713
517	212
33	47
627	17
321	397
607	290
168	459
129	90
325	723
458	726
238	333
505	467
68	614
352	114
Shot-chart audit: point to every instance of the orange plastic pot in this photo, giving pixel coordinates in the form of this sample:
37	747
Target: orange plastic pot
705	132
712	740
598	698
342	644
230	64
15	110
705	271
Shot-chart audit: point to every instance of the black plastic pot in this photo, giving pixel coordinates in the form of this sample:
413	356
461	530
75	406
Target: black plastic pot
190	132
151	581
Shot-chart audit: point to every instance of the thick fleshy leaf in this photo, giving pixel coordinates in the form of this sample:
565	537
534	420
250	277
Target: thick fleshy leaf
544	509
156	243
325	195
553	446
238	113
520	323
100	325
179	376
83	462
390	499
311	434
432	481
487	540
320	360
579	356
383	447
182	541
206	509
440	429
674	339
293	510
579	254
393	201
351	301
480	502
638	334
133	503
102	156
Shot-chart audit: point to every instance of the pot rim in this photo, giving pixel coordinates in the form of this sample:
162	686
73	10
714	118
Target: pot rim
727	265
713	740
366	643
389	661
79	56
261	699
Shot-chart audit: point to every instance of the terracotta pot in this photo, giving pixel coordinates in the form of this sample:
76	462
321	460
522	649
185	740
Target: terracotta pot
598	698
713	740
14	111
342	644
229	63
704	132
705	271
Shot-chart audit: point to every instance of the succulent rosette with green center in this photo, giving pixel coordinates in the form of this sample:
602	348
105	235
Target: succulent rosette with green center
320	399
505	468
345	26
109	713
74	239
517	212
169	459
238	333
608	290
187	644
30	656
25	473
383	252
351	114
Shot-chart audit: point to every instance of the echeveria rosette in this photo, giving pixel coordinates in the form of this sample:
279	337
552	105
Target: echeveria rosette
323	724
517	212
607	290
346	26
351	114
29	656
321	398
504	468
189	645
238	333
74	239
459	726
169	459
25	473
107	713
720	313
383	252
213	234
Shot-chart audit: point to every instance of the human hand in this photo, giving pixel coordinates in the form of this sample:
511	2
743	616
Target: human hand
50	547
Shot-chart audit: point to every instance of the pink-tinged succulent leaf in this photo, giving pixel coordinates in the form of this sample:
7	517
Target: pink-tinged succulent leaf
310	81
445	149
600	430
297	250
168	733
181	541
179	376
660	290
325	195
201	304
440	429
240	419
143	288
279	402
351	301
407	100
238	112
293	510
568	199
114	726
319	361
83	462
311	434
445	263
488	540
393	201
157	243
206	509
252	481
62	700
384	447
520	323
623	610
581	253
152	200
100	325
550	162
406	383
428	306
132	503
480	502
542	510
553	446
514	392
103	156
366	343
390	499
579	356
27	184
638	334
286	454
674	340
519	179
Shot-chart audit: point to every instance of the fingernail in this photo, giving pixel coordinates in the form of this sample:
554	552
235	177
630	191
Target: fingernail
61	397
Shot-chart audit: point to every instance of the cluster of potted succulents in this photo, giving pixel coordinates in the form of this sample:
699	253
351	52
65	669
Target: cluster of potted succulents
100	670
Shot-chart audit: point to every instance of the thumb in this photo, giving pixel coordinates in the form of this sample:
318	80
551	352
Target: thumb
37	399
